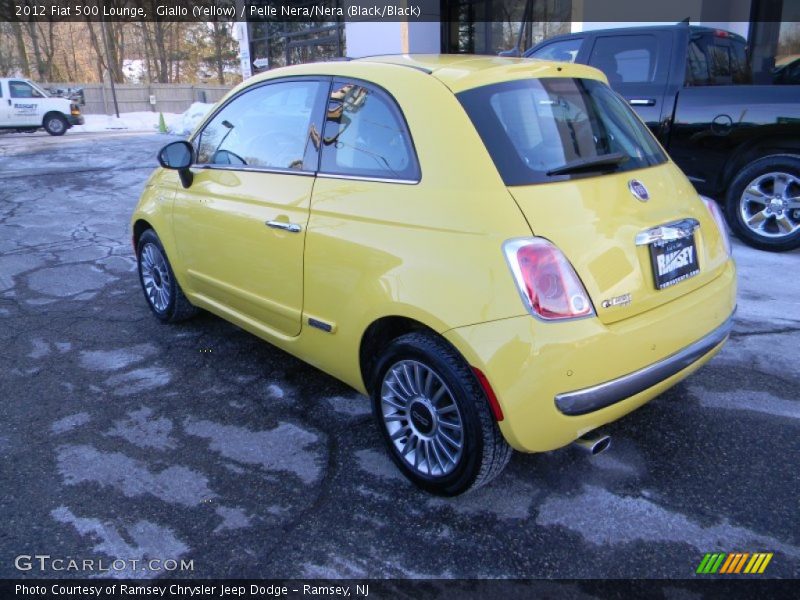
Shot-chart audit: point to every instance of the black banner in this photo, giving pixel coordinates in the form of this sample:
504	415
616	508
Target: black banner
606	11
384	589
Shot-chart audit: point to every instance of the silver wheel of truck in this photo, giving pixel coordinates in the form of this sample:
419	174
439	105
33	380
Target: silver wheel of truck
770	205
55	124
762	203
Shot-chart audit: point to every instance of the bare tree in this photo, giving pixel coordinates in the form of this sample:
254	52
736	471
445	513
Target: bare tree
23	54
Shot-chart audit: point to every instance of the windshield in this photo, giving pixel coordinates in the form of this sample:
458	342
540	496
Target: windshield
38	89
536	130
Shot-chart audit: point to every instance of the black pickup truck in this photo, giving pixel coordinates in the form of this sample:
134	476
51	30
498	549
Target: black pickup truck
737	142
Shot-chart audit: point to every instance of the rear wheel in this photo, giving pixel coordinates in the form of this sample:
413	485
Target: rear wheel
763	203
161	289
435	418
55	124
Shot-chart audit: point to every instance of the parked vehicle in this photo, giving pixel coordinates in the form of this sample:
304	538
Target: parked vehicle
24	106
787	71
516	272
739	143
76	95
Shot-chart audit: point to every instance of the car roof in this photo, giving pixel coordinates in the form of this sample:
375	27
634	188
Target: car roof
458	72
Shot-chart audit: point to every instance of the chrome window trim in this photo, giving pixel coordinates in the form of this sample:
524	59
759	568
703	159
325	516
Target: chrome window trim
590	399
366	178
248	169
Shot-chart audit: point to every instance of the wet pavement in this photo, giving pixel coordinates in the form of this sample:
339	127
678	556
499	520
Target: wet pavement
122	438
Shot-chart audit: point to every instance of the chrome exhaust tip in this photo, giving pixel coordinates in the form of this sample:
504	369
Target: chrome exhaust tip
594	443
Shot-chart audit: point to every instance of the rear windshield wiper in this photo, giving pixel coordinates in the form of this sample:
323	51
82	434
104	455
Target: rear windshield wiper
590	164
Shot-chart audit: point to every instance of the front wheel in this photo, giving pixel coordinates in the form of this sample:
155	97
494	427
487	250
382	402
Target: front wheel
763	203
435	418
161	289
55	124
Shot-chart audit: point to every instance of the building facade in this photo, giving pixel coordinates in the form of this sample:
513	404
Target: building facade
771	27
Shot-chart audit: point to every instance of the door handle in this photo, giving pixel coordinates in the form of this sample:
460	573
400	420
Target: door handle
642	102
291	227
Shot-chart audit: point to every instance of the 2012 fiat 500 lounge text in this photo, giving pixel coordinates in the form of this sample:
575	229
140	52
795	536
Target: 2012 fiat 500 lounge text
496	251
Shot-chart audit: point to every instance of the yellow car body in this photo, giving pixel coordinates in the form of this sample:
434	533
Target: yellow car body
380	258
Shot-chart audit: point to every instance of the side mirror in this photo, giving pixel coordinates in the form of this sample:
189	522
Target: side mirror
178	156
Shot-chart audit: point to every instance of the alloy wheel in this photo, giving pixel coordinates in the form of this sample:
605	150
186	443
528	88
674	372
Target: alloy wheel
156	277
422	418
770	205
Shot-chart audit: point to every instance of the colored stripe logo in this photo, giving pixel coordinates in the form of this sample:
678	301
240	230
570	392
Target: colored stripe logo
733	563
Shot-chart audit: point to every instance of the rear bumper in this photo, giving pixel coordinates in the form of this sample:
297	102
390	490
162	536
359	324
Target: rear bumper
557	381
581	402
75	120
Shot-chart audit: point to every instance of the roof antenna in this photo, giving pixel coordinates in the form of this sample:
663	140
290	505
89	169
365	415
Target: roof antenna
685	21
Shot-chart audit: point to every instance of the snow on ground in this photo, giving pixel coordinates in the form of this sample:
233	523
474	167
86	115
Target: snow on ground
178	124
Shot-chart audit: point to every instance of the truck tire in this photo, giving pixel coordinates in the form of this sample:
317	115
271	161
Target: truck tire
435	418
763	203
55	124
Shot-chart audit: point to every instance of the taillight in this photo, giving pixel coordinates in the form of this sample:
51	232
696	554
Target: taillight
716	214
74	110
546	280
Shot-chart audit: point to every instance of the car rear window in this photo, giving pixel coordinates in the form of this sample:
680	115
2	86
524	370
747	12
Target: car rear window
534	126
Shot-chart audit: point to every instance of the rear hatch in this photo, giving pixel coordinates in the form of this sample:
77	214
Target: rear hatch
589	177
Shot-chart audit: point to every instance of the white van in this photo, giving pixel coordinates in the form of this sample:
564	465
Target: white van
25	106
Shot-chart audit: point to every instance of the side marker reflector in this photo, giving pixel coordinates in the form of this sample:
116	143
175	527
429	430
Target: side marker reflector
487	388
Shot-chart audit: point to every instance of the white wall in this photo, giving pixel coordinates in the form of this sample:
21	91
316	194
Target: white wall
367	39
425	37
371	38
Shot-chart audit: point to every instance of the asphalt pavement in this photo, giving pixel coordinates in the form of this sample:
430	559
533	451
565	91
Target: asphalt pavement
125	439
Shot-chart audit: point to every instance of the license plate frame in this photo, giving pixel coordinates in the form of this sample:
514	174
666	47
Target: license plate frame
673	261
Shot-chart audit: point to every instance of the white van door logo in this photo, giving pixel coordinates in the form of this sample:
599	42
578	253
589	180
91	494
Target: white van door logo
24	109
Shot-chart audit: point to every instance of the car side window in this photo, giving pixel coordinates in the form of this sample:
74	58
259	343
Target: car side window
727	63
628	59
270	126
20	89
564	50
697	65
365	135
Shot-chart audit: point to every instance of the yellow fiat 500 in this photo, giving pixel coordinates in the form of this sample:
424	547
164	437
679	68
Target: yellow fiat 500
496	250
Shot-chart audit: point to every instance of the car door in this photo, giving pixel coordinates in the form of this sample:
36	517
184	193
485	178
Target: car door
24	104
637	67
240	226
367	210
5	103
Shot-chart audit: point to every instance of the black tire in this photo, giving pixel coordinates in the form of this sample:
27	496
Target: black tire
758	174
55	124
484	452
164	296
